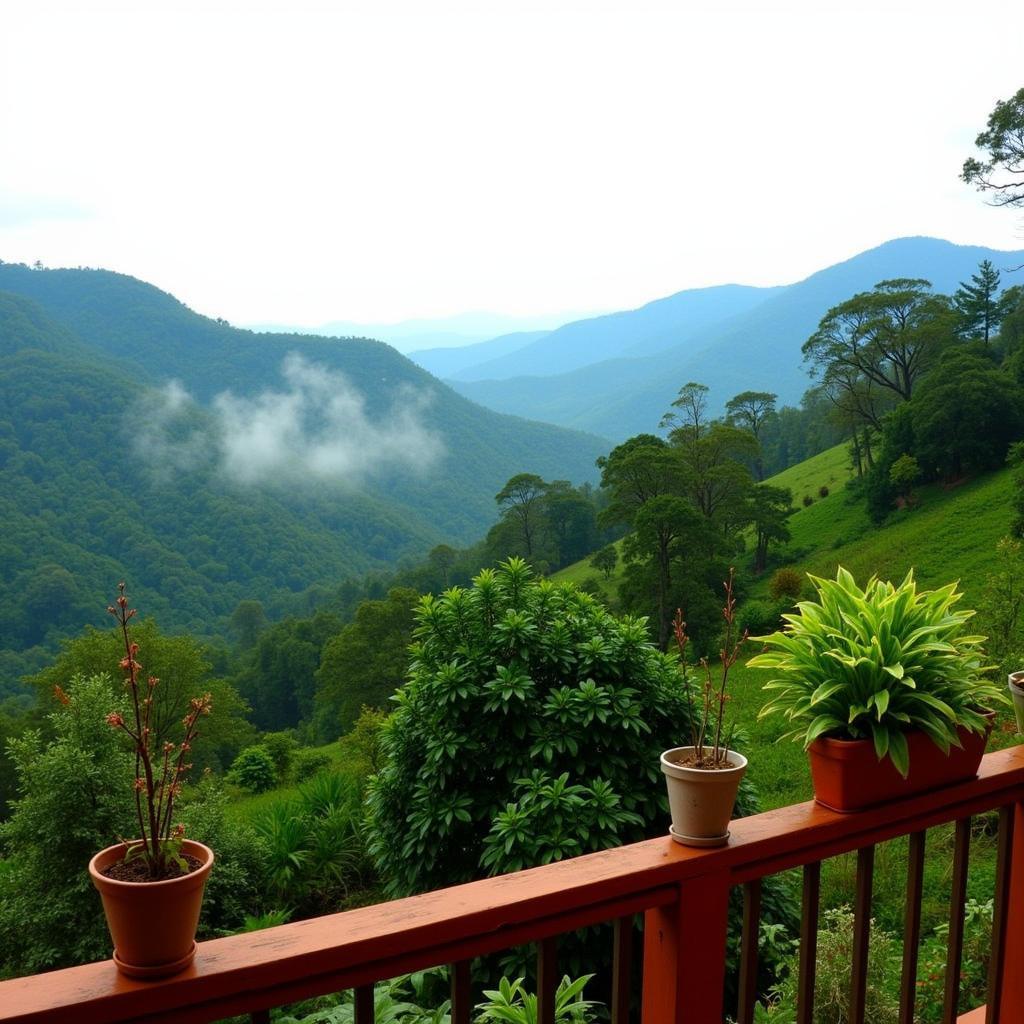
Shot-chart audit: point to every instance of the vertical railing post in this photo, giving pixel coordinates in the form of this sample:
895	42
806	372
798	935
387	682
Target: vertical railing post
1010	995
684	955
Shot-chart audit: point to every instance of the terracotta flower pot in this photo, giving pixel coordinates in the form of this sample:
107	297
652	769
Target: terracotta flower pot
701	800
848	776
1016	684
153	924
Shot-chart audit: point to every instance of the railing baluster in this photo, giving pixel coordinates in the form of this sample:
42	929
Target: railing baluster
861	933
912	926
1001	907
808	943
684	954
622	969
748	950
364	1005
547	979
461	994
1010	996
957	900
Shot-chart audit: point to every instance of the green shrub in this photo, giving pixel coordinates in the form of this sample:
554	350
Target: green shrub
315	850
281	746
515	684
760	616
823	491
308	763
877	662
254	770
832	977
786	584
808	501
71	805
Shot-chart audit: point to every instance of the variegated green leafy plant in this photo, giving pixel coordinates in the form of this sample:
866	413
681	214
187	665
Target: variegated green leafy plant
877	662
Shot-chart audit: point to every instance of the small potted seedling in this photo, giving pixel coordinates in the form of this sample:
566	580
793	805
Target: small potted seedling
703	777
152	885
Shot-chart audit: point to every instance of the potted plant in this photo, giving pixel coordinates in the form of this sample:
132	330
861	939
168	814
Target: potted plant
884	686
152	885
1016	684
704	776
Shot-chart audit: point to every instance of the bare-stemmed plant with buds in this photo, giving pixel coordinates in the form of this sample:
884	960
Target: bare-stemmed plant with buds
159	775
708	738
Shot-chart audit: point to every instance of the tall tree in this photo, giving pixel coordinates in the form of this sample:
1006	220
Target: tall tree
1000	172
750	410
716	477
886	337
442	559
520	502
633	473
770	509
690	421
980	307
667	528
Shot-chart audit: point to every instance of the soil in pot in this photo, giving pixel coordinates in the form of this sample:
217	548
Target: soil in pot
848	776
701	799
152	924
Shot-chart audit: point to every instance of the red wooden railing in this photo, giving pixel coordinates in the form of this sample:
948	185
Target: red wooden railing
682	893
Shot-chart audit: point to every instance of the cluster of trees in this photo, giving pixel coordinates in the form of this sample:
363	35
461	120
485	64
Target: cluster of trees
688	502
929	385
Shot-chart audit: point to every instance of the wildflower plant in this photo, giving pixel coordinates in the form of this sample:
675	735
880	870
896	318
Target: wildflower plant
159	774
708	736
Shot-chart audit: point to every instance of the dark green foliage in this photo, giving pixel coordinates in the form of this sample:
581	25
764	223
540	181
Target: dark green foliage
964	416
786	584
308	763
181	666
605	560
365	663
278	676
770	509
979	306
515	683
235	888
314	844
282	748
73	800
254	770
823	491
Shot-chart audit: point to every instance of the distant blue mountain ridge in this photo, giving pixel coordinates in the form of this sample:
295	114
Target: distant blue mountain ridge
615	375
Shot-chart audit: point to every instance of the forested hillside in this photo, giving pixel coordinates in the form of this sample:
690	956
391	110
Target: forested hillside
275	464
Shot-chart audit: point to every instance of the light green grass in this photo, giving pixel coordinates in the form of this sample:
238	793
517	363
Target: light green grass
244	806
830	468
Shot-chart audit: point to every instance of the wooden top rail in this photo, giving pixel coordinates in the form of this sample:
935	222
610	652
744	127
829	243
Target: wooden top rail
253	971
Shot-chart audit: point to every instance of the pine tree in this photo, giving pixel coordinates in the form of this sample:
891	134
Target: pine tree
979	303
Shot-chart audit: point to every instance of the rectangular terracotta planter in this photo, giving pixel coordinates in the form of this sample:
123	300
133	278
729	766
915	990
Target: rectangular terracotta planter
848	776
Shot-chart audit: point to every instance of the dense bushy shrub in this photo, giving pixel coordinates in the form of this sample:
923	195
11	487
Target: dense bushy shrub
281	746
254	770
786	584
823	491
757	617
314	844
71	804
515	683
808	501
308	763
235	888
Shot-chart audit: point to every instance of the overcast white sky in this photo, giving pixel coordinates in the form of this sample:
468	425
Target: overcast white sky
300	162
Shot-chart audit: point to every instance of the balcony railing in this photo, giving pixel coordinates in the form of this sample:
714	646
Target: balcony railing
682	893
